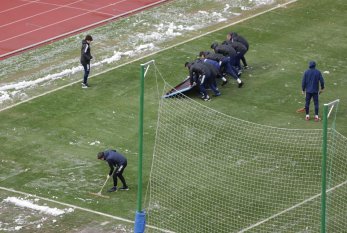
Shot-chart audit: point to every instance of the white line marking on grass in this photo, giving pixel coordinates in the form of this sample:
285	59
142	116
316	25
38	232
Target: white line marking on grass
291	208
151	54
83	209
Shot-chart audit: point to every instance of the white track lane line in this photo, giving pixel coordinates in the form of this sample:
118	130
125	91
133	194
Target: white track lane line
58	22
41	13
9	9
77	30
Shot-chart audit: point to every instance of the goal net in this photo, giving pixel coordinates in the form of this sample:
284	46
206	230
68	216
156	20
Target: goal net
215	173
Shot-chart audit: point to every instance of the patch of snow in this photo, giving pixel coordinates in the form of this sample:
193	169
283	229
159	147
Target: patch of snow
94	143
43	209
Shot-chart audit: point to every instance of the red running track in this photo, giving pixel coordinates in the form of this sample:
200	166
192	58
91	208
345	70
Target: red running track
25	24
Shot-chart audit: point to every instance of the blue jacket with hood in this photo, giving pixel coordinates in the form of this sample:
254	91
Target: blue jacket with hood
311	79
114	159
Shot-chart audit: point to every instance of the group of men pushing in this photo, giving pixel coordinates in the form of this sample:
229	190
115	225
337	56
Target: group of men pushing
224	60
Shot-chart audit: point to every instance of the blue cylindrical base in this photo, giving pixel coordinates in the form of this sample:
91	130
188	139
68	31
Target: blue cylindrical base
140	222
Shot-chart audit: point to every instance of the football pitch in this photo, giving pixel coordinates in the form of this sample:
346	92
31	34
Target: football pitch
48	145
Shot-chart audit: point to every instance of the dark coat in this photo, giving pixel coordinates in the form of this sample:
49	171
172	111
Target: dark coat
114	159
311	79
239	47
225	50
238	38
85	53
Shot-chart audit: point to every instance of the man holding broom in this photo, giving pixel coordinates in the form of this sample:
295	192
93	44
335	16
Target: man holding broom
117	163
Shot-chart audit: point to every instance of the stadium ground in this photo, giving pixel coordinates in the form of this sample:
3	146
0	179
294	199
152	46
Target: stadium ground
48	145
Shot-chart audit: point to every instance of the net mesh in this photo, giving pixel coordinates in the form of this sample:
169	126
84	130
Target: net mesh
215	173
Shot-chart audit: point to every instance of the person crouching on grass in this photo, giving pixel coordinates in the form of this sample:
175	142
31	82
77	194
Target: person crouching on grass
117	163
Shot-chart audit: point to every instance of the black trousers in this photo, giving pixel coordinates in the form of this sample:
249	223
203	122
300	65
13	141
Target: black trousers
119	174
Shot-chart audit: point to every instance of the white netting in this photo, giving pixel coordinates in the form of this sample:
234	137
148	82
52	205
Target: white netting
215	173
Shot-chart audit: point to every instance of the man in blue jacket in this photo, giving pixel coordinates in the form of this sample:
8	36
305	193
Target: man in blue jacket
310	85
117	163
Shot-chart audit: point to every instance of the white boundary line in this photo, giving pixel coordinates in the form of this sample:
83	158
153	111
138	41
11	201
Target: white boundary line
81	208
291	208
151	54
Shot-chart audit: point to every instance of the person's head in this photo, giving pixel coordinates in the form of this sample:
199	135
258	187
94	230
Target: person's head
214	45
312	64
89	38
229	36
187	65
202	54
100	155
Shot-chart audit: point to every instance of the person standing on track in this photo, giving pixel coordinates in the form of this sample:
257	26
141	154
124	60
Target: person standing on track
85	59
117	163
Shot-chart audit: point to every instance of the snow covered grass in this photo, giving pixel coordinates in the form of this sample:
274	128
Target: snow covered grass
28	213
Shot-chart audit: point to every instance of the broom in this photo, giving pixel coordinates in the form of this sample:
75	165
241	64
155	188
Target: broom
300	110
99	193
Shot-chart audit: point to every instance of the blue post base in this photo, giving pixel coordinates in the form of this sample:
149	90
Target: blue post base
140	222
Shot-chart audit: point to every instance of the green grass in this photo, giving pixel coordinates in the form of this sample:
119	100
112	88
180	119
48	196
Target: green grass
45	143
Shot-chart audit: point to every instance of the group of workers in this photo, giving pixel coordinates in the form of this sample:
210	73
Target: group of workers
225	60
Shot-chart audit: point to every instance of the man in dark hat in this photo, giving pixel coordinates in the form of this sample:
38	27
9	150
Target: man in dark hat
117	163
85	59
310	85
233	36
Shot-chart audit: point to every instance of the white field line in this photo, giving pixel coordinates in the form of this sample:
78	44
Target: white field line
83	209
291	208
151	54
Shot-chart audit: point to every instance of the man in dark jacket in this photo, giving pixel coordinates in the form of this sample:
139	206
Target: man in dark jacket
117	163
203	75
225	66
240	52
85	59
310	84
233	36
227	51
